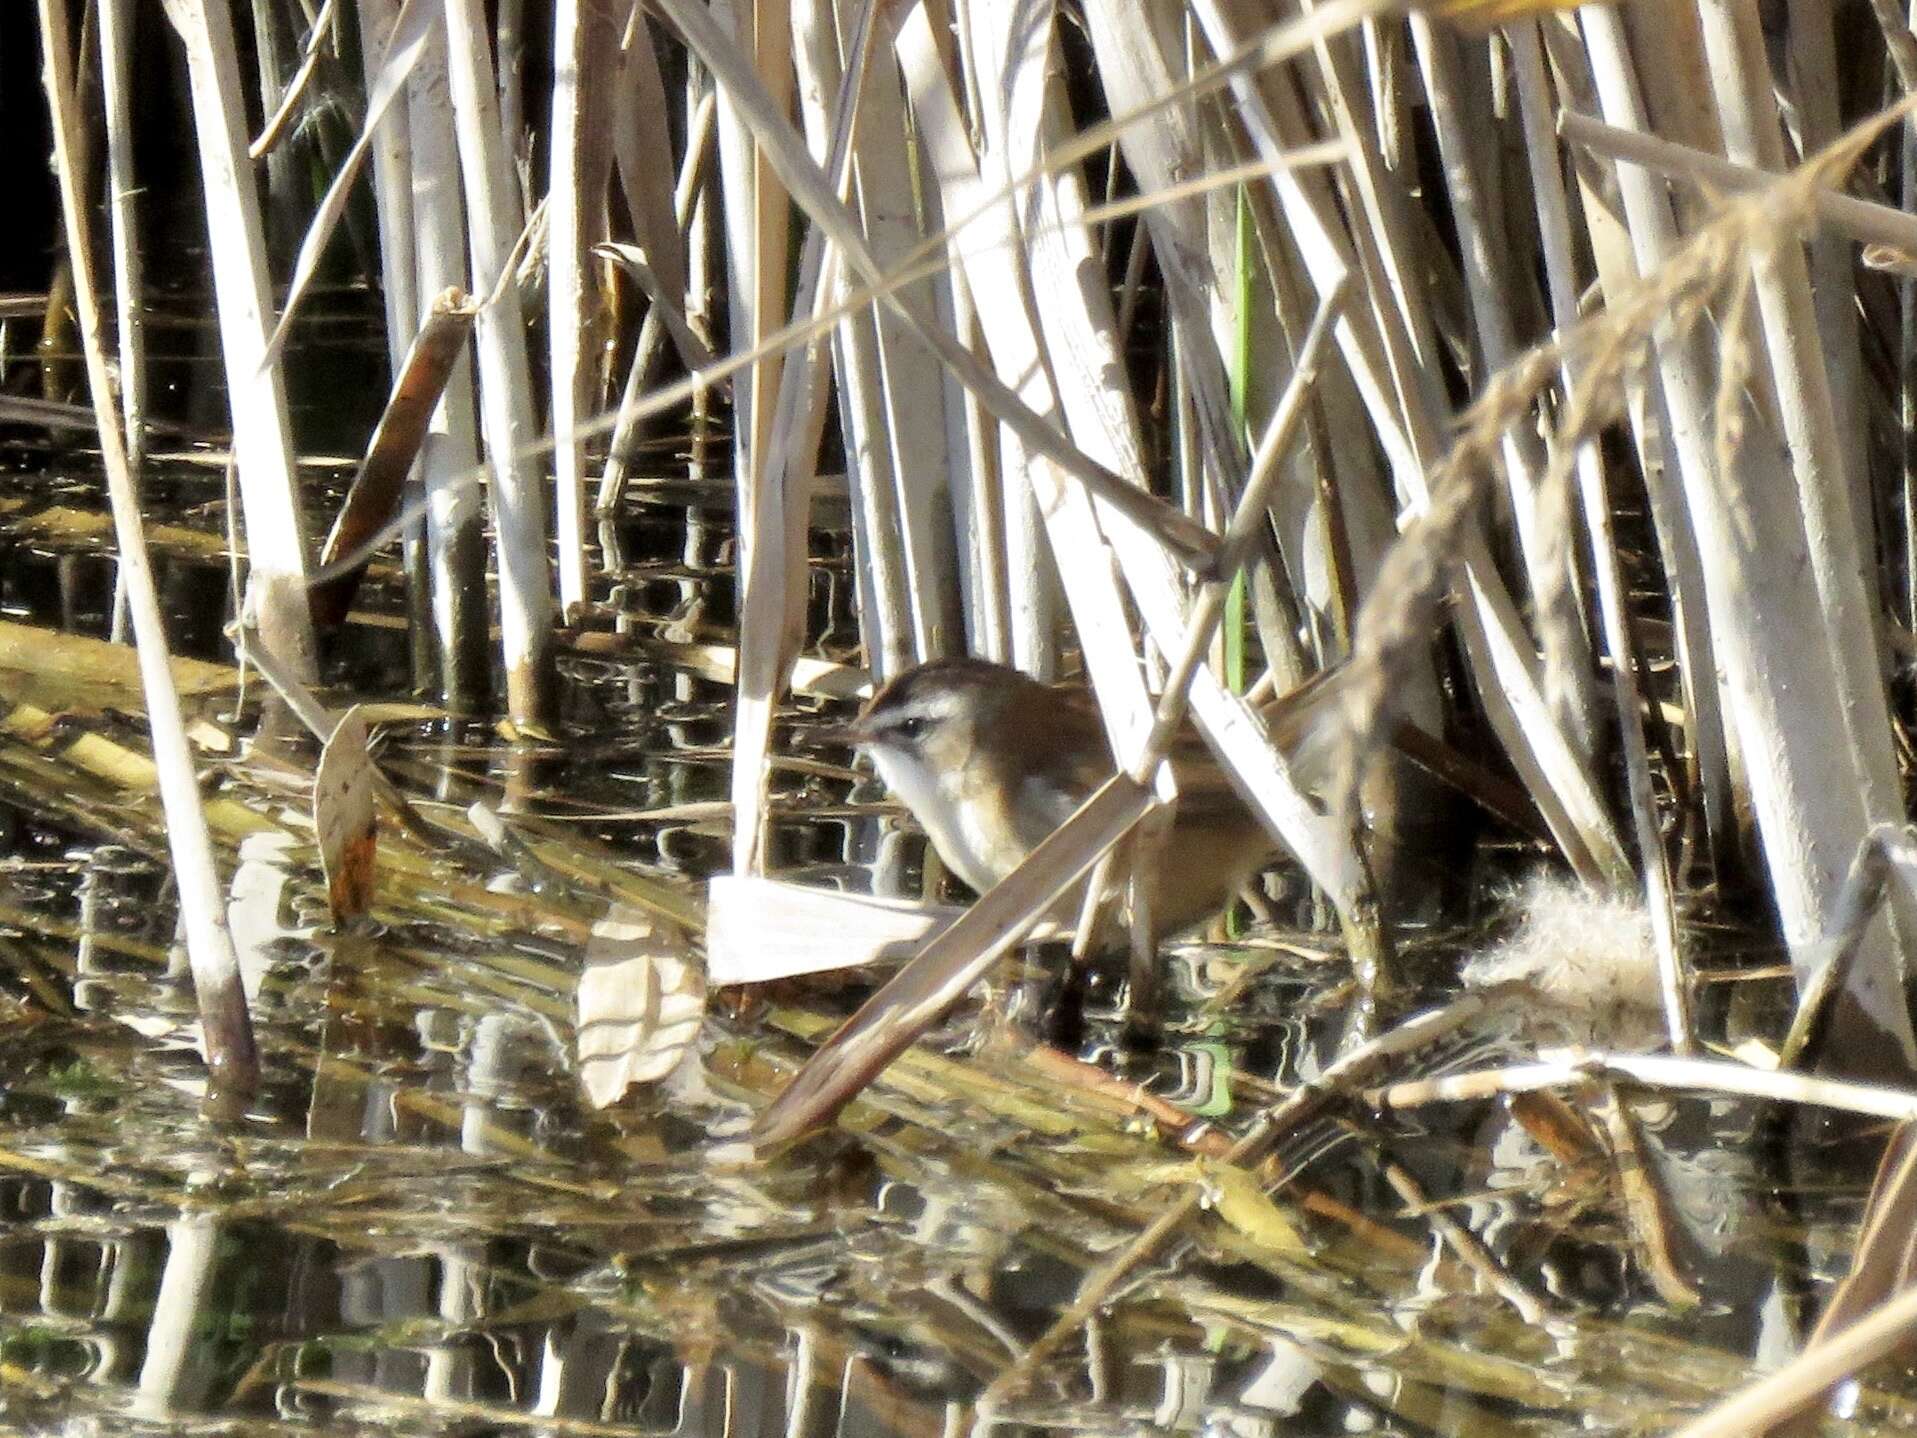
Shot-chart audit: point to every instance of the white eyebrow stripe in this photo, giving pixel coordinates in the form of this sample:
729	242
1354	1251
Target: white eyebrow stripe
932	706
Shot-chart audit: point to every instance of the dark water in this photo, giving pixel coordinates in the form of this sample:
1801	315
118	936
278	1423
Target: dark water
421	1226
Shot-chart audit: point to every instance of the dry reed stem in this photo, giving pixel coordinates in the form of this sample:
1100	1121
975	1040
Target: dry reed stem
1898	41
243	295
1882	1263
1556	239
932	257
1866	220
226	1026
1713	1077
276	127
493	219
434	254
1394	624
116	63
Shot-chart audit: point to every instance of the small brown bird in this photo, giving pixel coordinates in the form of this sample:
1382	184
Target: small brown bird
991	761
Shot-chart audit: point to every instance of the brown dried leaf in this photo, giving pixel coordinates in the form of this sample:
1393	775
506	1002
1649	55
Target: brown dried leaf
345	819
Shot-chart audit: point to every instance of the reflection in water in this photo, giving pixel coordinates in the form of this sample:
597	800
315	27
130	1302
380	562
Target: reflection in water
421	1227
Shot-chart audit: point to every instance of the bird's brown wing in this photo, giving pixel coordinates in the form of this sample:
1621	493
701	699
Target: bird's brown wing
1064	759
1068	756
1202	785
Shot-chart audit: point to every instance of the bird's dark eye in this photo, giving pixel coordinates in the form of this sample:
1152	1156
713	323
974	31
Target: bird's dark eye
911	728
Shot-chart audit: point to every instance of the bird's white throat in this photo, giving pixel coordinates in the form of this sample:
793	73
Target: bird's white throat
952	824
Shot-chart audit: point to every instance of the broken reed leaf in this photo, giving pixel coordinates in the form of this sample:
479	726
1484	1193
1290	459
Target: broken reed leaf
641	1000
488	825
538	876
759	929
633	259
374	500
346	819
280	123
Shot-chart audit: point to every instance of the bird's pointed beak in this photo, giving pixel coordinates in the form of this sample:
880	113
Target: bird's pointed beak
853	734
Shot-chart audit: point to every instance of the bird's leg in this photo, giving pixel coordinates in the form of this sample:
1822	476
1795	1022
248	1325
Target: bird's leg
1032	998
1063	1026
